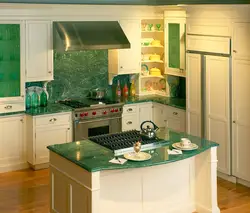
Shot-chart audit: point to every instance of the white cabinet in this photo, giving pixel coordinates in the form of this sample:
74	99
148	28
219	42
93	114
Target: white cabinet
127	61
241	43
39	51
130	117
241	119
175	32
12	143
158	114
176	118
145	112
43	131
217	114
193	94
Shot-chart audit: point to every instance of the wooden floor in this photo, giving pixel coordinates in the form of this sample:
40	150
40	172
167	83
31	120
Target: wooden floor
27	191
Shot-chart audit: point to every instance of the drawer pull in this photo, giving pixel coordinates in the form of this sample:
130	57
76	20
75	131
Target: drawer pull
175	113
52	120
129	122
129	109
8	107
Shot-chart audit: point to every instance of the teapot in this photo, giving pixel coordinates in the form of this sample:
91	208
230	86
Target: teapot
148	131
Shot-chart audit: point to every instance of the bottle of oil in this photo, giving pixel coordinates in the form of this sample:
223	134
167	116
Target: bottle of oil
132	89
118	90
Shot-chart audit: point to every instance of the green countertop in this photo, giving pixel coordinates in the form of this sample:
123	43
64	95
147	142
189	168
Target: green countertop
50	109
94	157
12	113
174	102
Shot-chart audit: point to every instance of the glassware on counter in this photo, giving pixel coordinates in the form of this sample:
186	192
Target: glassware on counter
43	99
28	100
35	99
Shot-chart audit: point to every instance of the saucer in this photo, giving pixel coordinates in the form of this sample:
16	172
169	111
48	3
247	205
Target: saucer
141	156
179	146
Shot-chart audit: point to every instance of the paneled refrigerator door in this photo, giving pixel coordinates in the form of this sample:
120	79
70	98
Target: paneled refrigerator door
241	119
193	93
217	107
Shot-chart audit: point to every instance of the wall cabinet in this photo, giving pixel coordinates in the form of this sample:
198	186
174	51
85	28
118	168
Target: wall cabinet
39	51
43	131
12	143
12	59
175	34
127	61
241	43
241	119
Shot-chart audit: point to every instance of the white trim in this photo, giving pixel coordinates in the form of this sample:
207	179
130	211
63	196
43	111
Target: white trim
13	167
243	182
226	177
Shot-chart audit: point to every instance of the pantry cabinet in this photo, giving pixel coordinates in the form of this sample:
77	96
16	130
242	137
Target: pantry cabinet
241	43
12	64
241	119
127	61
175	35
12	143
39	51
43	131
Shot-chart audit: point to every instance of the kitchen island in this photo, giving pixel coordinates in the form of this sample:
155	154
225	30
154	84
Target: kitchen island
83	180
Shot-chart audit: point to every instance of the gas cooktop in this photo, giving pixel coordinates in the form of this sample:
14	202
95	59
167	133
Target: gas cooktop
123	142
76	104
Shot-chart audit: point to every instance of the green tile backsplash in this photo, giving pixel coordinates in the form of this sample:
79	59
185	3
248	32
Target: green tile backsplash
75	73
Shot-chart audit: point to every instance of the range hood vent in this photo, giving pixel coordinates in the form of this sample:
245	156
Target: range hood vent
89	35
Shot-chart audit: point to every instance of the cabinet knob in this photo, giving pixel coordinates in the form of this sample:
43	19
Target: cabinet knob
130	109
68	128
129	122
121	67
175	113
21	120
234	51
22	96
50	72
8	107
234	122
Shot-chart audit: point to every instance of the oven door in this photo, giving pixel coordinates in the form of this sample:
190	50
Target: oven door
85	129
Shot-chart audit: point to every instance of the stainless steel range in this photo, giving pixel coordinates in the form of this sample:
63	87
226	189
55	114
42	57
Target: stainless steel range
94	117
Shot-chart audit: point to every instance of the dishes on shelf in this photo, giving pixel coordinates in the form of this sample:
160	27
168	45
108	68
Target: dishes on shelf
155	57
151	27
150	42
156	43
155	71
144	70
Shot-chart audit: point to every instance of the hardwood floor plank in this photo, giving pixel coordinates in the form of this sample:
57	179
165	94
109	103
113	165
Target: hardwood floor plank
27	191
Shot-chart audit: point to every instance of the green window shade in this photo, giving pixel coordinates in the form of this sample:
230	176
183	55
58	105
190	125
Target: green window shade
174	45
9	60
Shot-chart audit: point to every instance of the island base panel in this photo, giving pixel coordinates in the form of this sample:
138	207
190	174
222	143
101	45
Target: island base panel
184	186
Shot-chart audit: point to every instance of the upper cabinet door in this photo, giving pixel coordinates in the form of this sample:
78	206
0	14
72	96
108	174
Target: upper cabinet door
175	46
39	51
12	58
241	42
129	59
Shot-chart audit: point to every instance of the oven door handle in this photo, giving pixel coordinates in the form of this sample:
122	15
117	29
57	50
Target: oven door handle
91	121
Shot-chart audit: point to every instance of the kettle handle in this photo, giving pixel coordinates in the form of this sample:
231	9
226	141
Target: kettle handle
155	127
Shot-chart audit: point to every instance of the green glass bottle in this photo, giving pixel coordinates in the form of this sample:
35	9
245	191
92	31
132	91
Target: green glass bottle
43	99
34	99
28	100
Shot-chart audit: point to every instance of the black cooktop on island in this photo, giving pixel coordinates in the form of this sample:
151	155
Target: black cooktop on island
123	142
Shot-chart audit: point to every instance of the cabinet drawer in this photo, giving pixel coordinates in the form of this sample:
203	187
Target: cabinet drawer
12	107
129	122
53	119
174	113
129	109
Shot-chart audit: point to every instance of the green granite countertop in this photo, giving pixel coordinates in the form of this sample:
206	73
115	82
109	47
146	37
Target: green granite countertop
51	108
174	102
94	157
12	113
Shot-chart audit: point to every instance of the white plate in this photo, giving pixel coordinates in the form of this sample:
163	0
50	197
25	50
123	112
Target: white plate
141	156
181	147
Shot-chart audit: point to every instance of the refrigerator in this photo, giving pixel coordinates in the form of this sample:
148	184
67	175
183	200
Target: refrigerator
208	89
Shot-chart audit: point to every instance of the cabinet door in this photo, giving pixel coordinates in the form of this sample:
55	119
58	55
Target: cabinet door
39	51
158	115
49	136
145	113
129	122
129	59
241	119
175	46
12	146
217	123
11	61
193	94
241	43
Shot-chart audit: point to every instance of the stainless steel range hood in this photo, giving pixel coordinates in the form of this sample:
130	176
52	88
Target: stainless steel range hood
88	35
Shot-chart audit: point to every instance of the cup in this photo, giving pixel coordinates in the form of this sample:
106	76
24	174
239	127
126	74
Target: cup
185	142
